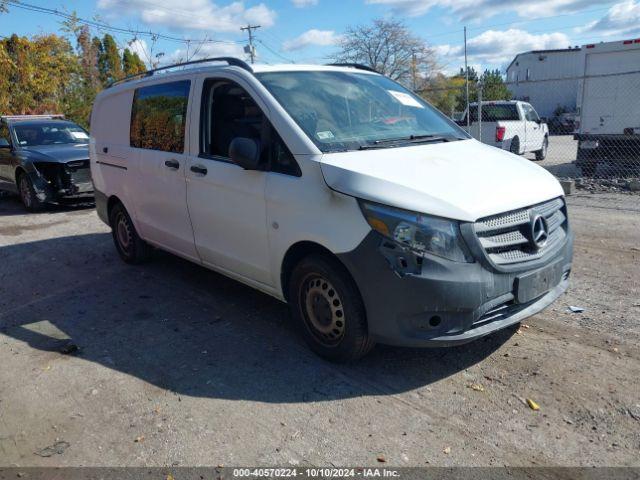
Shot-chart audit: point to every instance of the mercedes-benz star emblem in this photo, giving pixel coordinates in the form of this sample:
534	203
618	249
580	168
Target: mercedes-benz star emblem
539	232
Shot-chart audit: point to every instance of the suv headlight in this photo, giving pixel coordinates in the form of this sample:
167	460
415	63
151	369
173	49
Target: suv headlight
422	234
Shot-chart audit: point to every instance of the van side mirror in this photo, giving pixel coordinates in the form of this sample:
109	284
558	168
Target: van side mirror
4	143
245	152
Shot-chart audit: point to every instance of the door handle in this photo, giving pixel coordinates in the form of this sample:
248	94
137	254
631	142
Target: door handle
174	164
198	169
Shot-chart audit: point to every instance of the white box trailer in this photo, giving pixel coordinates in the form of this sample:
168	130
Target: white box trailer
608	105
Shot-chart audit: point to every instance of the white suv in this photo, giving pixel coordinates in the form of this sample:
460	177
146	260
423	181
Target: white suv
334	189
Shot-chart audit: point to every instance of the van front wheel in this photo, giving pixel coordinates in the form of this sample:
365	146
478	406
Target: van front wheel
326	305
130	247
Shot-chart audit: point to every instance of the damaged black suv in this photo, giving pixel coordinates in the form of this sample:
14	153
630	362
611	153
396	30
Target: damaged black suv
44	159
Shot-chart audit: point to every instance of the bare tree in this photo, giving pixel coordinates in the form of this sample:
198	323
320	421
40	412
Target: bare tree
390	48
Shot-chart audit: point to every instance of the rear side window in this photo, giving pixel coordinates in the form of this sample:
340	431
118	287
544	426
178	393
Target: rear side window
158	117
493	113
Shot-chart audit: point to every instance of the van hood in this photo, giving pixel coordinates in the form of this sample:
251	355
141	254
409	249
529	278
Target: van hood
463	180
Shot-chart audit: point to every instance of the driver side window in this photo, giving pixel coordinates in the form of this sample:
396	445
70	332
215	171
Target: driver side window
229	112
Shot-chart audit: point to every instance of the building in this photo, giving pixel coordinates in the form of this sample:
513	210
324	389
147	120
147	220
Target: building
547	79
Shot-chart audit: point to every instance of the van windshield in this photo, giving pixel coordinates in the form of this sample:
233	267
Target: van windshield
349	111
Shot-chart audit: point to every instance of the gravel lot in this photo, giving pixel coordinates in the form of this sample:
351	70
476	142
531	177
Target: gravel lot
180	366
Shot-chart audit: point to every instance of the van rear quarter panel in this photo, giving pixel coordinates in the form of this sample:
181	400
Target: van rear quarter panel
113	161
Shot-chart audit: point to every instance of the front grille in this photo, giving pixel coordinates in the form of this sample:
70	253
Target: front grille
64	176
79	172
505	237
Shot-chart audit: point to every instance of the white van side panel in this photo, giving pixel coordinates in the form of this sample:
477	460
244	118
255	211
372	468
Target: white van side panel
328	218
112	160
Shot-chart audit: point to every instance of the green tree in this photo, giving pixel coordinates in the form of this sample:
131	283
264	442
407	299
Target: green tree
494	87
131	63
444	93
39	73
109	60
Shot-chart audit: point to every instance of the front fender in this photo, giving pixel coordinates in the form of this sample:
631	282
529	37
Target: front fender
41	187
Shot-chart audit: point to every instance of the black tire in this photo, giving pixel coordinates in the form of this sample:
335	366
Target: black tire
28	194
542	153
515	146
131	248
328	309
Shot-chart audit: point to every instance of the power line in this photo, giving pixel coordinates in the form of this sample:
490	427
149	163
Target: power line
103	26
274	52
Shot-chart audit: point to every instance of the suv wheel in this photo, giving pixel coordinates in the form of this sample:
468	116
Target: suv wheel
131	248
28	194
542	153
328	309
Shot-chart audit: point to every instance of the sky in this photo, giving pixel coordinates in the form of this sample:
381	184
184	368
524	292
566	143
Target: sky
307	31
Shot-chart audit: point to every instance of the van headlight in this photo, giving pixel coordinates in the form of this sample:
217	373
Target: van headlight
422	234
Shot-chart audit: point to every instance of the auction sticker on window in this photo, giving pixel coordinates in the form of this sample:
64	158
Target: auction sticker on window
79	135
405	99
325	135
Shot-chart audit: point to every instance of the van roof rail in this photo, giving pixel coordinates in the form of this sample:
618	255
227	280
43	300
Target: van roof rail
359	66
53	116
230	60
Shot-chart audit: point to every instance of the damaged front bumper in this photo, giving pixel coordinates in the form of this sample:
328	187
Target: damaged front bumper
62	183
445	303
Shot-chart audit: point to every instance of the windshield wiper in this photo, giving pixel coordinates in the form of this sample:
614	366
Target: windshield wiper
401	141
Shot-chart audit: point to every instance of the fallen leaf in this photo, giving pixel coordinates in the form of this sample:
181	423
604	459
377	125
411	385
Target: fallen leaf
447	450
139	439
532	405
381	459
524	325
57	448
476	386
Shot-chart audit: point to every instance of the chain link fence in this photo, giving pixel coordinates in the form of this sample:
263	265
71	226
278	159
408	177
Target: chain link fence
592	142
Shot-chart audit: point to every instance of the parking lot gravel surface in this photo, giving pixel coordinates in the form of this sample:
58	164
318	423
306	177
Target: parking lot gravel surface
166	364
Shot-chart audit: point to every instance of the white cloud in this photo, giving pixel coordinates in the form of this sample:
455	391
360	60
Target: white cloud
498	47
192	14
622	19
470	10
312	37
304	3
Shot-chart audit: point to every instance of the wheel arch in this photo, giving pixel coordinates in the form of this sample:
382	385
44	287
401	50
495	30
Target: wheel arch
112	201
297	252
18	173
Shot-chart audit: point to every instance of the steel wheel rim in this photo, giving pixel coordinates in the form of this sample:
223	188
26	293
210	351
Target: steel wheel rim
323	310
25	191
123	232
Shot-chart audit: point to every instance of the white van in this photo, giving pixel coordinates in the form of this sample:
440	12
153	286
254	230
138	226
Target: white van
334	189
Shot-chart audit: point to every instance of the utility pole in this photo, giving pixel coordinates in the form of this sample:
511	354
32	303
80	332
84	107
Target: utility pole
466	81
414	71
252	50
